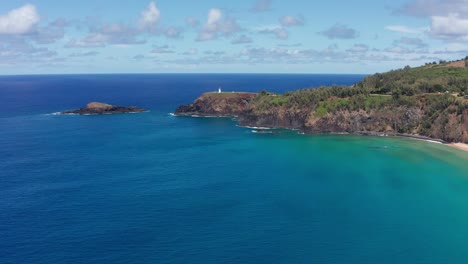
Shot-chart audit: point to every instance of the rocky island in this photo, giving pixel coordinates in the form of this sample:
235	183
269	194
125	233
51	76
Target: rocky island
96	108
428	102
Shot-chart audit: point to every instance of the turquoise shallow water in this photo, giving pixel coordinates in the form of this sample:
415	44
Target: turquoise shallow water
153	188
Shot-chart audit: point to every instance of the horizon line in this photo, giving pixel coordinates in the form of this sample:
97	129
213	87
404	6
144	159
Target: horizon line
178	73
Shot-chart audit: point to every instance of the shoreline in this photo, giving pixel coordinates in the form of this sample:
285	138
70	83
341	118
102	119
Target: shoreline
460	146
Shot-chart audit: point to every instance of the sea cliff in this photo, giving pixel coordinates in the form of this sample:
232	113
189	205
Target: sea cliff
400	120
218	104
406	102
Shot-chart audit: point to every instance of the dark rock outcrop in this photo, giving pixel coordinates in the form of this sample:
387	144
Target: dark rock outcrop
277	117
96	108
218	104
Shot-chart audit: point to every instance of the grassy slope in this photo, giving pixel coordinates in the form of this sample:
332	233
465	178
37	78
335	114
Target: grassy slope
424	79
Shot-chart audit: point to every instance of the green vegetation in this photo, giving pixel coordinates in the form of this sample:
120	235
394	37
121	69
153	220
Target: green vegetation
312	98
425	79
377	101
279	100
433	95
401	87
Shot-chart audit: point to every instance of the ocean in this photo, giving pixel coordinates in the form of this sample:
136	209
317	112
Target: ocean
154	188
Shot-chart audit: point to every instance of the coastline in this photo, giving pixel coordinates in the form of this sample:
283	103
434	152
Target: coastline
461	146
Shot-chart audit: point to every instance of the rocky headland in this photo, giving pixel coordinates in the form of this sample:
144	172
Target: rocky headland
96	108
218	104
407	102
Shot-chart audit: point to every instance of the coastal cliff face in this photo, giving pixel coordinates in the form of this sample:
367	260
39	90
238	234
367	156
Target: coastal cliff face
465	126
452	127
383	121
448	125
278	117
218	104
343	121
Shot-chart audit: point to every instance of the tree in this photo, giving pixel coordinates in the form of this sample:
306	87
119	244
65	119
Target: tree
407	67
396	93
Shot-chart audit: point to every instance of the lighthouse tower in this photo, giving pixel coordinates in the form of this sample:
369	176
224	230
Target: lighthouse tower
219	90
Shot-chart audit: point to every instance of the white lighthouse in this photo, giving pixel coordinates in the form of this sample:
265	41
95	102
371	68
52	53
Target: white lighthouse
219	90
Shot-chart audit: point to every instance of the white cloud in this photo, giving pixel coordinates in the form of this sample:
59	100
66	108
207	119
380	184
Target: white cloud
192	22
417	42
358	48
191	52
84	54
242	40
280	32
400	50
450	27
429	8
91	41
173	32
149	18
214	16
165	49
121	34
206	36
18	51
290	21
103	35
216	25
404	29
449	18
339	31
19	21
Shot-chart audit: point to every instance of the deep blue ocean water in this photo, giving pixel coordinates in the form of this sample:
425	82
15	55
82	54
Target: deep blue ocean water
153	188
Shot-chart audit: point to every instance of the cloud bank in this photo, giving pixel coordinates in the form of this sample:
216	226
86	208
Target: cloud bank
19	21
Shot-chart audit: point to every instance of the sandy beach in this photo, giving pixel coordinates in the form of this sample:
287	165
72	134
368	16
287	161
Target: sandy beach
461	146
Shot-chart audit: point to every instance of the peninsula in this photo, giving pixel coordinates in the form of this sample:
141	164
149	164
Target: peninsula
428	102
96	108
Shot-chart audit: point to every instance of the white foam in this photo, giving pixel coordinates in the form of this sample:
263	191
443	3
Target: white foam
257	128
207	116
199	116
432	141
53	114
262	132
423	139
59	113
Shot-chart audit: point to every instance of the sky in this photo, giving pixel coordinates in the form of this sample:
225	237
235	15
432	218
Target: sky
242	36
